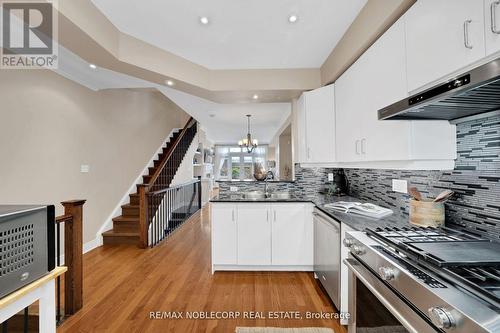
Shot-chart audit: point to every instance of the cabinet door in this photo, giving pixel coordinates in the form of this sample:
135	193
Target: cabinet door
292	234
492	26
224	234
437	32
300	117
320	125
349	103
254	234
384	64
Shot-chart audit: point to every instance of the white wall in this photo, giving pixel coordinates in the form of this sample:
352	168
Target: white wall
49	126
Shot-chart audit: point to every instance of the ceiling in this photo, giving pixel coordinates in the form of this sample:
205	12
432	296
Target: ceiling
241	34
76	69
226	123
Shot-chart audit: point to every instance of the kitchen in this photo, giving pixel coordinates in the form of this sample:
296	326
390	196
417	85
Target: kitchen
417	111
288	166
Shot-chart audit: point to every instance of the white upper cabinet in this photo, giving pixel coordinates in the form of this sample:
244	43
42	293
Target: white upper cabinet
315	115
376	80
349	89
492	26
300	119
320	125
442	36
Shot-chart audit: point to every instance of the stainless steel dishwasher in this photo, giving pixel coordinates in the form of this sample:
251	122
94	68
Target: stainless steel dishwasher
327	254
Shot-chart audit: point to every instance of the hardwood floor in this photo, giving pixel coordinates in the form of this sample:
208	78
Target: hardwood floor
123	284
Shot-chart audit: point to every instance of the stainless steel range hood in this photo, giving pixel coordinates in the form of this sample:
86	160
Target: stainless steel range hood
475	92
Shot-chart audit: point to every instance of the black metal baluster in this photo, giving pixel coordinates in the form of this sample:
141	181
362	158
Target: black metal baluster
26	322
163	197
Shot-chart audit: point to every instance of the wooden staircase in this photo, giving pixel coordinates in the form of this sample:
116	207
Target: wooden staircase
126	226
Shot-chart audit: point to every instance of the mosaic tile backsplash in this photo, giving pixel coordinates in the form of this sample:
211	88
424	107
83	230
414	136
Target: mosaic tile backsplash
476	181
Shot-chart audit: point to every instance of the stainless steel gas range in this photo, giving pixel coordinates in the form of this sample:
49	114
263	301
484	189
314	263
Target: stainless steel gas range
423	280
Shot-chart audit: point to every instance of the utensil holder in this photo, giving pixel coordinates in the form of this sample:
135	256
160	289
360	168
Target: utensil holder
427	213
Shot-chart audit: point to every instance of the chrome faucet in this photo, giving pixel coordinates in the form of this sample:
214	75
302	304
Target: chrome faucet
266	184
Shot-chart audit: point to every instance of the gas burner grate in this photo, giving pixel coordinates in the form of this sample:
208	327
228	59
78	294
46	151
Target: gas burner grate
402	236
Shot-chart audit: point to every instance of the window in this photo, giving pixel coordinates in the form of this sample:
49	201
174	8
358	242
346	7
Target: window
235	163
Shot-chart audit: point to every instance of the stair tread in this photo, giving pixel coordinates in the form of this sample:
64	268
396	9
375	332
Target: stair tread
129	205
113	233
122	218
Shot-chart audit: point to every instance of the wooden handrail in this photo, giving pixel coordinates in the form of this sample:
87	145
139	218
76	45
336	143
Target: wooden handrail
194	181
144	190
64	218
169	154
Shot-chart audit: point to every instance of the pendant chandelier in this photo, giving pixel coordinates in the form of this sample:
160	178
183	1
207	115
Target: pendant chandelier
248	143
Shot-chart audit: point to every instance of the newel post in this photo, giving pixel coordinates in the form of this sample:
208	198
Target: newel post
143	216
73	256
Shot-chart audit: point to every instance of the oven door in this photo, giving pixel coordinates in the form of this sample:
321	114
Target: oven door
376	308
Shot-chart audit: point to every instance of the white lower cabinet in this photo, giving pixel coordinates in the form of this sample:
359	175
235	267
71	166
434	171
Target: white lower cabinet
292	234
224	234
254	234
262	236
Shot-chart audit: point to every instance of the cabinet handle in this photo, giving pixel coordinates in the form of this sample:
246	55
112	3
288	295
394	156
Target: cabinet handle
363	146
267	216
493	8
308	153
357	147
274	216
466	34
232	214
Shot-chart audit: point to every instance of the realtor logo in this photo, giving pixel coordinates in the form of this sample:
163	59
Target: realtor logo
29	30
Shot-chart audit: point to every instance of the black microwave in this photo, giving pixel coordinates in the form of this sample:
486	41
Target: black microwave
27	245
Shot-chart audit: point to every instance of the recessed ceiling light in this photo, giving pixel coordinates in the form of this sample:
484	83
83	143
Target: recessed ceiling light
92	66
204	20
293	18
169	83
255	96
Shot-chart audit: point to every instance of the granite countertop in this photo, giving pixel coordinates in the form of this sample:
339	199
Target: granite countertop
239	197
273	181
357	222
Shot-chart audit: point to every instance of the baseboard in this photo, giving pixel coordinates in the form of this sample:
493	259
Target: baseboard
87	247
263	268
95	243
108	224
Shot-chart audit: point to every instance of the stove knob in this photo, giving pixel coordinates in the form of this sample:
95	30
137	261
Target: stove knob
386	273
441	317
348	242
357	250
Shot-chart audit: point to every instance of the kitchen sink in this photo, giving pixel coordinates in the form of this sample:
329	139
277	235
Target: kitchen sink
257	195
280	195
254	195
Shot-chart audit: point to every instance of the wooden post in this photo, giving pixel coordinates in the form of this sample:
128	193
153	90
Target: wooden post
73	256
143	216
